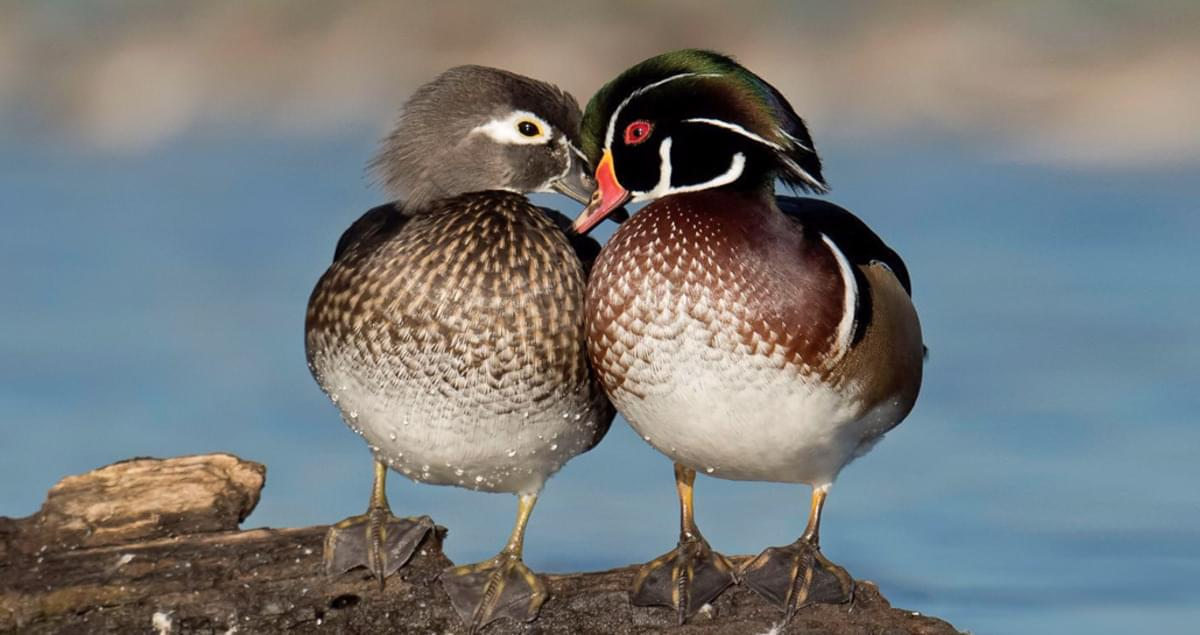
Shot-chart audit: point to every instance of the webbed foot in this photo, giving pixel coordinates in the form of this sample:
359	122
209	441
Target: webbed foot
376	540
685	578
795	576
501	587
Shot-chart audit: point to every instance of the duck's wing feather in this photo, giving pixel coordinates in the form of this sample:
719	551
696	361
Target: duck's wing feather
853	237
375	226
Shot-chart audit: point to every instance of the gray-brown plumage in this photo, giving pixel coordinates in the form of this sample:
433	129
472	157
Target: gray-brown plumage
433	152
449	328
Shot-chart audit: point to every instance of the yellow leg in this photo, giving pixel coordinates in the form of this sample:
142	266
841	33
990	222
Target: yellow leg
812	532
689	576
379	486
798	574
685	481
516	541
376	540
378	507
499	587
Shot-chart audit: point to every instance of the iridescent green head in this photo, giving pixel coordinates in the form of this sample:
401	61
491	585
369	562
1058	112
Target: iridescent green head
691	120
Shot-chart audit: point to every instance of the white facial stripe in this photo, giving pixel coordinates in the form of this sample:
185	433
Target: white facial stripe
796	142
792	165
504	130
802	173
579	153
738	129
664	173
845	329
663	187
612	121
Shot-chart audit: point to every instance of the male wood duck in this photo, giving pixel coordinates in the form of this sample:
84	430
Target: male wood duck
745	335
449	328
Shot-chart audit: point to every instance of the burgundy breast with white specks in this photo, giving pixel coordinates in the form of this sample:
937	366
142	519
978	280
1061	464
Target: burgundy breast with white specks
698	262
716	325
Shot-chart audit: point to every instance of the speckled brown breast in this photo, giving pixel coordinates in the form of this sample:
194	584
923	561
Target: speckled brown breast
465	320
487	278
755	282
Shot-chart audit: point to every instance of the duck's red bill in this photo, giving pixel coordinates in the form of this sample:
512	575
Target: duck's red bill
608	197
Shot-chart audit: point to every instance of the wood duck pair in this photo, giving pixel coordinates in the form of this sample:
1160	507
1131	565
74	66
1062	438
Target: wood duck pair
745	335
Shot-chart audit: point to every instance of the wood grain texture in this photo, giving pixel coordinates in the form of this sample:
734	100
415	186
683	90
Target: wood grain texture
270	580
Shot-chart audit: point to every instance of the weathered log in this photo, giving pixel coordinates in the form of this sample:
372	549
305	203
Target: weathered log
152	545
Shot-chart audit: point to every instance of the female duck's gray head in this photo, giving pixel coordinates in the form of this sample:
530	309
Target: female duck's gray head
476	128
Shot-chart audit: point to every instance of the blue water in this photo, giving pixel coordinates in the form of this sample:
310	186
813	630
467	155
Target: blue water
1045	482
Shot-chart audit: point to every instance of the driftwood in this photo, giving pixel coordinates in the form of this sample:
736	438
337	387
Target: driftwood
153	546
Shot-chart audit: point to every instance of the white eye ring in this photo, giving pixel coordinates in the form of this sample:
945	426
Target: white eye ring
509	129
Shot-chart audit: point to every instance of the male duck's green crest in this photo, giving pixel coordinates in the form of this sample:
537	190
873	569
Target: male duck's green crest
738	98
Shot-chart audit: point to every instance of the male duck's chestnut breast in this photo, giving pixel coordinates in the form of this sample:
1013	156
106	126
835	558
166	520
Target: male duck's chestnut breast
691	270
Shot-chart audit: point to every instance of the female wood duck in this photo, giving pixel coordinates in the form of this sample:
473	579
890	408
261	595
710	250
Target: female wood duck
449	328
745	335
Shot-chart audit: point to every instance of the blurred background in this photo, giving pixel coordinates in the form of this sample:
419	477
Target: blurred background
173	178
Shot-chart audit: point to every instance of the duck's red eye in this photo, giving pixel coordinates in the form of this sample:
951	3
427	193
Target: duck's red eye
637	132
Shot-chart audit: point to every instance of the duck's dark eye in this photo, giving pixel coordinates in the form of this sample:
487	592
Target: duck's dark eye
637	132
528	128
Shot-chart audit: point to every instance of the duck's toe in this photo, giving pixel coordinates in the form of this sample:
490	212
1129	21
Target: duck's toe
501	587
797	575
685	578
376	540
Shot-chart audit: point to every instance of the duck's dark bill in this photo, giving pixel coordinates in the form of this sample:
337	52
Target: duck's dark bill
576	183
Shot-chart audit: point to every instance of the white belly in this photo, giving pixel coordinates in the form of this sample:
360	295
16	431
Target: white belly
434	433
735	415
